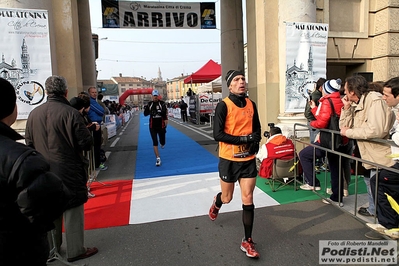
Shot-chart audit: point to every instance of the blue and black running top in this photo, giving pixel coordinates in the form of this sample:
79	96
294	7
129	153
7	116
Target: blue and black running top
158	114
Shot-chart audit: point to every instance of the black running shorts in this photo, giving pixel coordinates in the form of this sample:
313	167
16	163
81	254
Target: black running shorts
230	171
161	132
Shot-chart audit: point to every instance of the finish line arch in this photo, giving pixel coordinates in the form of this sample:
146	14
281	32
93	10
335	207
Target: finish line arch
129	92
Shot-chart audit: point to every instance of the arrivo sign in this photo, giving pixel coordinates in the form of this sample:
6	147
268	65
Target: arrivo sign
159	20
158	15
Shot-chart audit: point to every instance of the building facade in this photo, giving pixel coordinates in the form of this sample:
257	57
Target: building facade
361	40
176	88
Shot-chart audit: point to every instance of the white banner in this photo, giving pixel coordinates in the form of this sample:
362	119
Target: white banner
158	15
26	59
208	102
306	55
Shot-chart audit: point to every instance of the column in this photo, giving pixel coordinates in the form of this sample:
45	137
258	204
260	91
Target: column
231	38
86	45
67	48
266	55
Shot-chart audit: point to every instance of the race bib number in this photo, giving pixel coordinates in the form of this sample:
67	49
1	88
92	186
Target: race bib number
240	151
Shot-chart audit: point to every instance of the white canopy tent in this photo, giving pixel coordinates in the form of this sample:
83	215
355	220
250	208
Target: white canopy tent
213	86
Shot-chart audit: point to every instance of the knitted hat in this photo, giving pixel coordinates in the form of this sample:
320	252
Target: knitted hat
231	74
332	85
155	93
77	103
8	97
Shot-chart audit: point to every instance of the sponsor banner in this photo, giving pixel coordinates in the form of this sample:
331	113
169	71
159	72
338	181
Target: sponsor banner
192	108
158	15
26	59
375	252
208	102
306	53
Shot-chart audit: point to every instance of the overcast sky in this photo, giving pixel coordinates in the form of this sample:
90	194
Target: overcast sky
139	53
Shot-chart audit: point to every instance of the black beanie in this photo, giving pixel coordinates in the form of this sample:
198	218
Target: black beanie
77	103
8	97
231	74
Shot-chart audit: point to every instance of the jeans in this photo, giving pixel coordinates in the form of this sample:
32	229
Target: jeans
306	159
371	208
312	133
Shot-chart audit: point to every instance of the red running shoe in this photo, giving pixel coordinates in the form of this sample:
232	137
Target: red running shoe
248	246
213	211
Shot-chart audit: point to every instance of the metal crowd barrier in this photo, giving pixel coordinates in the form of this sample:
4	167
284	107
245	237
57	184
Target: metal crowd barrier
91	171
299	140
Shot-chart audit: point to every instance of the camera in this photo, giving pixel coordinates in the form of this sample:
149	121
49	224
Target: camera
267	133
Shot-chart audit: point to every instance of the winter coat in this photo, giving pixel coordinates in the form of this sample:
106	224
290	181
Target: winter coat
370	118
30	201
96	111
58	131
316	95
323	112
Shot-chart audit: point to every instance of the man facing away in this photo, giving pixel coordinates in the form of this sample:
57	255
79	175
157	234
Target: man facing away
158	113
276	147
237	128
31	197
183	109
58	131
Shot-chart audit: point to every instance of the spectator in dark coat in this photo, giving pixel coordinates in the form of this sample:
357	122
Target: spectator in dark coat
315	97
183	110
31	197
57	130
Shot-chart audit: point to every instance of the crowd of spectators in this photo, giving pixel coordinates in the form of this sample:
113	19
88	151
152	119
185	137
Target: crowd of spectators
366	113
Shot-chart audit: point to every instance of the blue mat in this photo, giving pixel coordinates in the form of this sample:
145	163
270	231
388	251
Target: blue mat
181	155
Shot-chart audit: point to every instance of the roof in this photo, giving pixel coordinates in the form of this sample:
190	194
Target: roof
128	79
106	81
210	71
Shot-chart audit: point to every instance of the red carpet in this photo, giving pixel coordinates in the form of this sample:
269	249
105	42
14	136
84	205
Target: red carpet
111	205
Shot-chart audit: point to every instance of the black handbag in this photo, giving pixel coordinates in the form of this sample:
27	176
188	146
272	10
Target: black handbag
325	137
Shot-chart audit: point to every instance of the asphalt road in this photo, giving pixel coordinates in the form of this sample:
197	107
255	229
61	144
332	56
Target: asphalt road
284	235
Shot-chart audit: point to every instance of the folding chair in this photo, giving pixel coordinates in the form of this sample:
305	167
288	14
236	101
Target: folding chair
284	173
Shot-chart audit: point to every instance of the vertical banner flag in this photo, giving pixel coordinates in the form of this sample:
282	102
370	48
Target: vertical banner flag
26	57
306	54
158	15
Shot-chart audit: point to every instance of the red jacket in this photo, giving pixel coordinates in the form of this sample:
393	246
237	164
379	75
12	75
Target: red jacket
278	147
323	112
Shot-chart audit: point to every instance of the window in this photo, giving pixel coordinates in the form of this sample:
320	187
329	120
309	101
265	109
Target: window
347	18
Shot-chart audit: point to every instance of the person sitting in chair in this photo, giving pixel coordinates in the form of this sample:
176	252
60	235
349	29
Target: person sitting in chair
276	147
